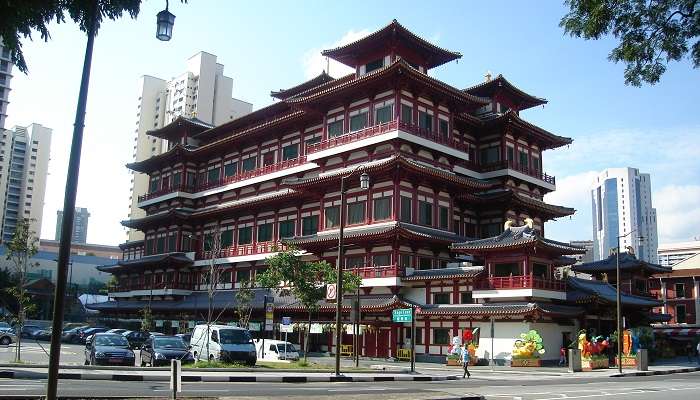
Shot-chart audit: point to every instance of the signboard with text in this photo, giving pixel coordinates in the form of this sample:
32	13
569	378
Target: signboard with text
401	315
269	313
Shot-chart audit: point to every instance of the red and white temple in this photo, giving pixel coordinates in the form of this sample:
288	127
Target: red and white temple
453	221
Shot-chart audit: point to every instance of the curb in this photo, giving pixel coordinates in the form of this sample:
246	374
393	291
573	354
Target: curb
189	369
239	379
468	397
662	372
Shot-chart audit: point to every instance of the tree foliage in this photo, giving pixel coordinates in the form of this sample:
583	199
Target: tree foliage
651	32
244	303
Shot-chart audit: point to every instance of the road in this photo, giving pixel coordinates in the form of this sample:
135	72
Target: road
674	387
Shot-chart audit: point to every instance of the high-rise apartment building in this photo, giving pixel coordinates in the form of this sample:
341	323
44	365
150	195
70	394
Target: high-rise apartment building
202	93
673	253
80	225
5	76
24	164
621	199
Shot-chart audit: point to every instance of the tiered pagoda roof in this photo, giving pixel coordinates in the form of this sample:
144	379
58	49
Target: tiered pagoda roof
181	124
504	310
587	291
628	262
508	196
511	122
316	81
500	84
444	273
165	259
392	36
521	237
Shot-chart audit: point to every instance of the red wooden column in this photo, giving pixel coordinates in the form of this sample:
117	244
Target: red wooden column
394	339
455	292
324	131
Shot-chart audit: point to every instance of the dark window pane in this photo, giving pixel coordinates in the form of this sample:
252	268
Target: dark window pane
332	216
287	229
268	158
248	164
245	235
406	205
490	155
358	122
406	114
382	208
425	213
466	298
356	213
523	159
381	260
265	232
290	152
160	245
425	263
172	240
425	120
309	225
243	275
155	182
444	214
444	128
382	114
335	128
177	179
213	175
441	336
227	238
374	65
230	169
354	261
405	261
441	298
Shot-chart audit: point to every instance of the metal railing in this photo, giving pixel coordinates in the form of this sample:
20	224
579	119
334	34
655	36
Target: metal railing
384	271
243	250
521	282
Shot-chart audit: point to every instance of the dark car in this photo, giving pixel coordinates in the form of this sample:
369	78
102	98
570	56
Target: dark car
136	338
108	349
186	337
28	331
42	334
85	334
71	335
159	350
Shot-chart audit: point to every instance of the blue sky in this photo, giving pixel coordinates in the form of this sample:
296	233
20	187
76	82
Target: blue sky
272	45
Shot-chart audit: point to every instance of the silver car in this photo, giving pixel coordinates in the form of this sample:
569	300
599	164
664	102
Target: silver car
7	337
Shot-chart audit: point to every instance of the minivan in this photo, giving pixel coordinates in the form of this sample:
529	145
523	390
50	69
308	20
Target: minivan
276	350
223	343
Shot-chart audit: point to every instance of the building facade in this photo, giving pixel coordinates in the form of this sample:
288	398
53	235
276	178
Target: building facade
80	225
24	164
621	200
679	290
201	93
5	77
588	255
673	253
453	222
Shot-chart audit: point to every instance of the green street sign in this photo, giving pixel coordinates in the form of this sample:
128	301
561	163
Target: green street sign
401	315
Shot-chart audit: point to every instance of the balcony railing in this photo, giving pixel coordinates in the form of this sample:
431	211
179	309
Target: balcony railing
511	164
521	282
268	169
385	271
448	141
183	187
243	250
352	137
155	286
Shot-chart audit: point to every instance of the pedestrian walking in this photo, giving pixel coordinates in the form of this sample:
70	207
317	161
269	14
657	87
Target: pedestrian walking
464	358
562	356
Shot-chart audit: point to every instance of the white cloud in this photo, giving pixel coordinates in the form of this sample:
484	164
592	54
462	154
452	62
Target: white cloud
314	62
572	191
678	212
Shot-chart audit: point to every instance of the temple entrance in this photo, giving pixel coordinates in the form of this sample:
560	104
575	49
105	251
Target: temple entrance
383	343
506	269
370	343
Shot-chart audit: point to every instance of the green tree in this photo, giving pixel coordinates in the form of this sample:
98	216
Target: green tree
20	249
289	275
244	303
651	32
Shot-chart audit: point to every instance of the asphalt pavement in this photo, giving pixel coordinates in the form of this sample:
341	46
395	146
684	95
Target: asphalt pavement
677	387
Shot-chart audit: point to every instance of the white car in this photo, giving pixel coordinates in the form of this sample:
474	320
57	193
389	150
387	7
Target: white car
7	337
276	350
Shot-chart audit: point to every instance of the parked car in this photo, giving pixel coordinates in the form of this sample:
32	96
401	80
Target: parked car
159	350
117	331
185	337
28	331
7	337
276	350
5	326
108	349
42	334
85	334
71	335
223	343
136	338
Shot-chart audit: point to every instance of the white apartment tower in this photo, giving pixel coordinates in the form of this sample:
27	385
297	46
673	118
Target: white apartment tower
5	76
202	92
24	165
621	199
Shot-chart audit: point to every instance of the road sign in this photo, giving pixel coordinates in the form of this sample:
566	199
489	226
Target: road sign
331	291
269	313
286	320
316	328
287	328
401	315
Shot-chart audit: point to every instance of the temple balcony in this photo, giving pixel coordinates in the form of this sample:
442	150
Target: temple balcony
271	171
384	276
523	169
243	250
148	289
519	286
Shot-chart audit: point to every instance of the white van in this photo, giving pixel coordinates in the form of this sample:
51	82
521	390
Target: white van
276	350
223	343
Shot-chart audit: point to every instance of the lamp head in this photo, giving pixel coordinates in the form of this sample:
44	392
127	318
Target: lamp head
165	21
364	181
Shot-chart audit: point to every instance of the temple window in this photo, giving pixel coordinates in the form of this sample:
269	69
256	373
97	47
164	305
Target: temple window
155	182
680	290
425	121
356	213
374	65
383	113
268	158
382	208
265	232
177	179
332	216
489	230
243	275
354	262
442	263
230	169
502	108
208	241
405	261
466	298
245	235
213	175
358	120
186	242
510	153
539	271
166	182
149	247
425	213
287	229
160	244
441	298
191	177
406	209
490	155
441	336
172	242
444	127
309	225
680	314
312	140
226	276
419	335
524	159
425	263
248	164
169	277
381	260
227	238
290	152
640	285
444	214
406	114
335	128
506	269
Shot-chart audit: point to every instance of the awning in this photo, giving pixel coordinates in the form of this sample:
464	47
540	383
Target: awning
689	332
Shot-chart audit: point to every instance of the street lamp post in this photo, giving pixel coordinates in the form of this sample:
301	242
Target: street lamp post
619	299
364	184
69	199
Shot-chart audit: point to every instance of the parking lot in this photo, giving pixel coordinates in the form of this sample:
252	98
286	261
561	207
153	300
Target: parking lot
37	353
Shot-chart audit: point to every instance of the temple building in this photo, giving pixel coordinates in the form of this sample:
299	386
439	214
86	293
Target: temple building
453	222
